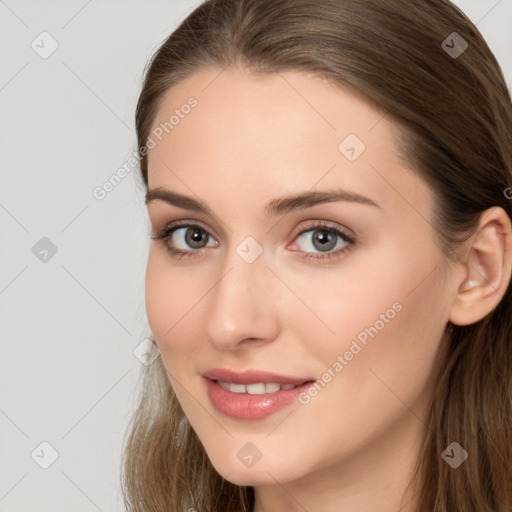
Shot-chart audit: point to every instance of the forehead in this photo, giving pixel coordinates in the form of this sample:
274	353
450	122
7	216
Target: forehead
276	132
236	97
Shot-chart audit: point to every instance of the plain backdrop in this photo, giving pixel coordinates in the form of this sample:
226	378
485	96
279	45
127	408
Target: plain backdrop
72	314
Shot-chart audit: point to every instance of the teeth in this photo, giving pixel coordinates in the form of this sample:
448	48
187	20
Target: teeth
223	384
254	389
269	388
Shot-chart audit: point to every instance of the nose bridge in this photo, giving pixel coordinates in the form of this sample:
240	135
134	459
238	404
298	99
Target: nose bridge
240	304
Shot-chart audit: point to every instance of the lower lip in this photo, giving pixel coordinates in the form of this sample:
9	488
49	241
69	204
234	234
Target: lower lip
244	406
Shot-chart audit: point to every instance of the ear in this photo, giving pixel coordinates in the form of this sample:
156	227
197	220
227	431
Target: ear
487	268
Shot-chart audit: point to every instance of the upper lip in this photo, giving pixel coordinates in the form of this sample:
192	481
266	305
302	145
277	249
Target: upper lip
252	377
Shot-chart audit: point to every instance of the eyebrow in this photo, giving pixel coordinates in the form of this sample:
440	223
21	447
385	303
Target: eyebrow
275	207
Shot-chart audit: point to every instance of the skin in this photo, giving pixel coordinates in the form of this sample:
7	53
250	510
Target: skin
254	139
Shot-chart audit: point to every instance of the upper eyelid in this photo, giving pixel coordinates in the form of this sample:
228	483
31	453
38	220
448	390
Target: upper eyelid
315	224
179	224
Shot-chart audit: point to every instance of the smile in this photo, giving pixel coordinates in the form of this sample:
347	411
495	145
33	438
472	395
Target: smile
260	388
252	401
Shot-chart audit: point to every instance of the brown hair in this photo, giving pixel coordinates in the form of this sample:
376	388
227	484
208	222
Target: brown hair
455	116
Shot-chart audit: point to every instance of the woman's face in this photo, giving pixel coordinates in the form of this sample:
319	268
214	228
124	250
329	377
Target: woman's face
279	290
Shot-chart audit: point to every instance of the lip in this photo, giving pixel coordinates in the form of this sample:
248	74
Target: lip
244	406
252	377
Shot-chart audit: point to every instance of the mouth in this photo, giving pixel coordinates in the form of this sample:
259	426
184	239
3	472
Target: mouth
253	401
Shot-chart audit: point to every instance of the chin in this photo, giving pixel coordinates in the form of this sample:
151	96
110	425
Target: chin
249	477
262	473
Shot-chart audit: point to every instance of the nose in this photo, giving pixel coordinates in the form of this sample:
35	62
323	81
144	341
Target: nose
242	305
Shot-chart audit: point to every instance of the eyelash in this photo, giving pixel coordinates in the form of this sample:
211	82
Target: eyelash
167	231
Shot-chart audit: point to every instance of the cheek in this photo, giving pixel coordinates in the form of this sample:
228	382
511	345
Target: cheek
160	297
385	317
388	329
170	297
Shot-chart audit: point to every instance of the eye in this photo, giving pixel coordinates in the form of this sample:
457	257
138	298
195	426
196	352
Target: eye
192	237
185	239
328	240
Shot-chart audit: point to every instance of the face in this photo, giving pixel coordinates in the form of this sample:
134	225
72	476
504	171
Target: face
346	291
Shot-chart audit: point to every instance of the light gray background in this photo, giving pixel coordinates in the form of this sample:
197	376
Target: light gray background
70	324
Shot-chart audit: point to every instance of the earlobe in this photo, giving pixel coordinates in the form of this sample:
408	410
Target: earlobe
487	269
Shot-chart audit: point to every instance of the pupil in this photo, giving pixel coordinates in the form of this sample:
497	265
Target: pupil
325	238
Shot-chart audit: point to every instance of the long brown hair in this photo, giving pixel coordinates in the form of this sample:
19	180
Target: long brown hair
455	116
